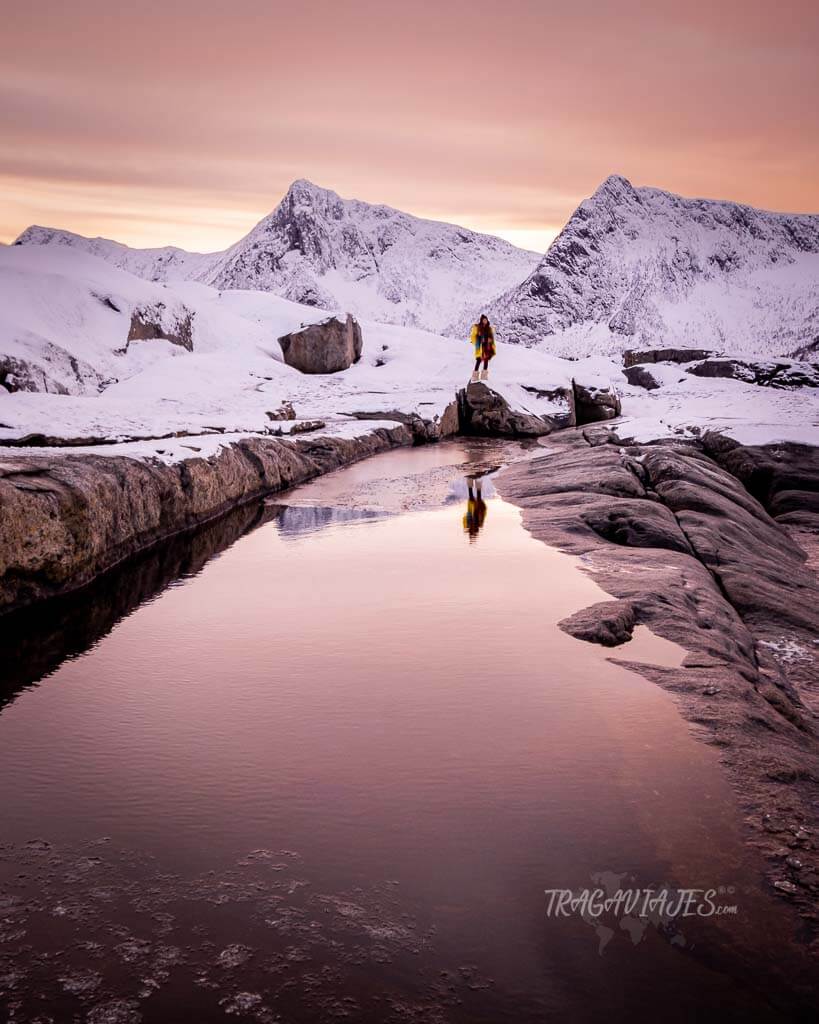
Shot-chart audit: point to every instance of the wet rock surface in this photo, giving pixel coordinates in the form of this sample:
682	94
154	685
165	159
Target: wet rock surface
638	525
327	347
608	623
65	519
679	536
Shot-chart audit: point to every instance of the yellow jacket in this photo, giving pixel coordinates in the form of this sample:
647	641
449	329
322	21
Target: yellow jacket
476	343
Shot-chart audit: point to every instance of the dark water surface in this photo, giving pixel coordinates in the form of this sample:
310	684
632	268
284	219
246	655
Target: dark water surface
328	775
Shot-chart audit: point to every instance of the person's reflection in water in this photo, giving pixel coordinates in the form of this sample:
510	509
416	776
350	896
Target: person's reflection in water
475	509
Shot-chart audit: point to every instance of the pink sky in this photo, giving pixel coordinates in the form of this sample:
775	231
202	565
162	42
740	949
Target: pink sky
185	123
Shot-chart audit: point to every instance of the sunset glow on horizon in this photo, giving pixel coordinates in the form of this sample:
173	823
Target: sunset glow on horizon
186	126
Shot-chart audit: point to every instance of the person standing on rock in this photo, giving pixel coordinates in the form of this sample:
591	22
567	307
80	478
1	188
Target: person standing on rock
483	340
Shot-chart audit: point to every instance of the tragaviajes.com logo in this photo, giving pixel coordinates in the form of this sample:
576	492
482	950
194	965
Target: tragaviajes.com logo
614	902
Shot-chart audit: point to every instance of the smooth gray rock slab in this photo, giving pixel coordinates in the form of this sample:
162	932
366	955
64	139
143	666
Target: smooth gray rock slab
637	524
609	623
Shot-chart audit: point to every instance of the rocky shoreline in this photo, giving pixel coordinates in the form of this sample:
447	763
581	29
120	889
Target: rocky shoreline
711	545
66	519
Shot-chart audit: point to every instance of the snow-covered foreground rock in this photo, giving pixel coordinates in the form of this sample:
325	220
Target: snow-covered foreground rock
640	267
321	250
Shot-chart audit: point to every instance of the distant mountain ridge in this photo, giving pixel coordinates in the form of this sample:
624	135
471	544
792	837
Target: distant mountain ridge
634	267
321	250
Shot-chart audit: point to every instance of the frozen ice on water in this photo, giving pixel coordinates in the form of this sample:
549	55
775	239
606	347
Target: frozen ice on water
133	950
115	1011
241	1003
82	983
234	955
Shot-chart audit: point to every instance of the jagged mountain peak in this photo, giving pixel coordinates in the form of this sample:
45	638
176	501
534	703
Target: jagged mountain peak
634	265
615	185
322	250
642	266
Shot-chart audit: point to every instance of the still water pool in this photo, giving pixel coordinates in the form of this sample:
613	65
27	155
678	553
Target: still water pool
329	774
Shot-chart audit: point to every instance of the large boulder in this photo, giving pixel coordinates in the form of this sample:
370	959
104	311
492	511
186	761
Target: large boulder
158	323
640	377
485	413
52	370
326	347
594	402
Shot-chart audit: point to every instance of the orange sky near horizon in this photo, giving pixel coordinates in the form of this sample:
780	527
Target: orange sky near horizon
185	125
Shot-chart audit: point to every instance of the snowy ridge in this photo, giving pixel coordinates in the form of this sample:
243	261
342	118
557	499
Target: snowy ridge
637	267
318	249
99	341
69	368
66	317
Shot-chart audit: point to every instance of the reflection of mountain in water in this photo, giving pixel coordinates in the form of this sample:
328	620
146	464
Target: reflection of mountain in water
294	520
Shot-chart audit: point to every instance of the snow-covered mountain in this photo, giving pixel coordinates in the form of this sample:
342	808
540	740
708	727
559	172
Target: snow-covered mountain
320	250
635	267
91	353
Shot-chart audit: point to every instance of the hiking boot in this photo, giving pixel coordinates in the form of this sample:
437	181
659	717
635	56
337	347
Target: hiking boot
484	374
475	377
